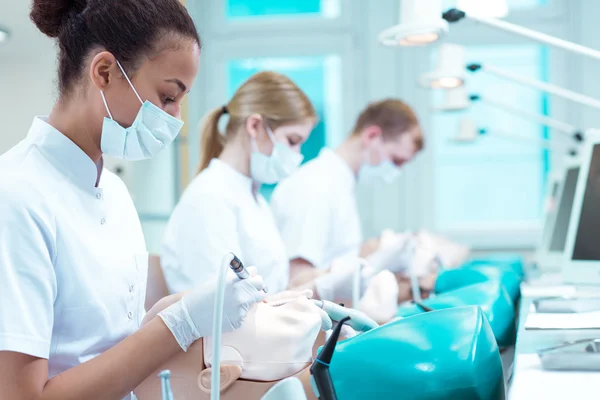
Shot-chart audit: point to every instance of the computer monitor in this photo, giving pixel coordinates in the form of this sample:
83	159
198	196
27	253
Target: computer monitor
581	264
557	219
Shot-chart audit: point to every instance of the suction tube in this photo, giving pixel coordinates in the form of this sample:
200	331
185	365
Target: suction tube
414	279
320	379
165	383
215	376
356	283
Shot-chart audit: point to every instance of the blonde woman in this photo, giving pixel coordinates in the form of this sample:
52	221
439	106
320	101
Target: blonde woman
222	210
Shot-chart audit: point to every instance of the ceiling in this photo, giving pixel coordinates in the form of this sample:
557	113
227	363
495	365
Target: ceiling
26	43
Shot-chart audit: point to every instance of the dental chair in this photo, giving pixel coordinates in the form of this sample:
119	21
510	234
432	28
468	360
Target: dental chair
493	299
448	354
469	274
437	355
512	261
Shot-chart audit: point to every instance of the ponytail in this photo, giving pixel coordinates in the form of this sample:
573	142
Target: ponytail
212	142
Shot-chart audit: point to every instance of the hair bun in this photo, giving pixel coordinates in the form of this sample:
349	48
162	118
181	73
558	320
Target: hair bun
51	15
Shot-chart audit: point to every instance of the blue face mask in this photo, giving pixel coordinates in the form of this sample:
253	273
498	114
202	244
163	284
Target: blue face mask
152	130
282	162
385	171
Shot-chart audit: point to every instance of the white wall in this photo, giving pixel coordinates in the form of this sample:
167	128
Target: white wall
27	73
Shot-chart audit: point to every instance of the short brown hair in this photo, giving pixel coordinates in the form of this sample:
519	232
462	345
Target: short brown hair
393	116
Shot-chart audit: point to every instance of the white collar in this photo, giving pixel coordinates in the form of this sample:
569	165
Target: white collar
63	153
231	174
341	166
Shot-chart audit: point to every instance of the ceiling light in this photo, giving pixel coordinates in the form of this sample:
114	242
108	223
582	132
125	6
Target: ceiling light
3	36
450	69
467	131
421	23
456	99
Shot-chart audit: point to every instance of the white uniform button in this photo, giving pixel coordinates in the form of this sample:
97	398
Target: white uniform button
129	315
98	196
131	288
103	221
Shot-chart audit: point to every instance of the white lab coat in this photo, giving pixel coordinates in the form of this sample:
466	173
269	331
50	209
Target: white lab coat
220	213
73	261
316	211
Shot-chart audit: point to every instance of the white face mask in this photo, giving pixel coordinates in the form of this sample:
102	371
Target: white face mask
385	171
282	162
152	130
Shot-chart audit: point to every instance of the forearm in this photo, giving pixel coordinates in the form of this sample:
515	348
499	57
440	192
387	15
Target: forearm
302	272
369	247
115	373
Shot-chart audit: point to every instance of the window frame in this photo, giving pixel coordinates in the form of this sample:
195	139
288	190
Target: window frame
219	25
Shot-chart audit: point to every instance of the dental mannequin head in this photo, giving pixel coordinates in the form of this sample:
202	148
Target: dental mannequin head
94	37
386	136
250	363
269	119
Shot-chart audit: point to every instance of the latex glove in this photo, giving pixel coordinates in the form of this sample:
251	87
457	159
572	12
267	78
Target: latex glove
288	296
338	283
380	301
359	321
394	254
192	317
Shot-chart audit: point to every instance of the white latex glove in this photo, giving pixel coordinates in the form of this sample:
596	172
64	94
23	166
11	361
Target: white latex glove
394	254
192	317
285	297
380	301
338	283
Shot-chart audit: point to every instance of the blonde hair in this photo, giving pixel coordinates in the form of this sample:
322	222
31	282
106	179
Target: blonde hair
270	94
394	117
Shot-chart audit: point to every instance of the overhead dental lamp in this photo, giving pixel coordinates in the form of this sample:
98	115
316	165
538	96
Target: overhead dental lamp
450	69
421	23
448	75
458	100
455	15
468	133
536	84
4	35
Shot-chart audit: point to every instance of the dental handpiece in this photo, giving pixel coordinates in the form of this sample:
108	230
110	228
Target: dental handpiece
238	268
359	321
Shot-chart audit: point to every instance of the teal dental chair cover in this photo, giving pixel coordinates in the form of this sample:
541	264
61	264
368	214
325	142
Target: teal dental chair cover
453	279
512	261
448	354
493	299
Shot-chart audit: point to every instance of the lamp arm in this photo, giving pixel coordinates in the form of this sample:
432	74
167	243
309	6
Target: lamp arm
455	15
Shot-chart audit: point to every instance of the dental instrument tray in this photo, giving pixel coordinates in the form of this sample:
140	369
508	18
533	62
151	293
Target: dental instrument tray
566	304
580	355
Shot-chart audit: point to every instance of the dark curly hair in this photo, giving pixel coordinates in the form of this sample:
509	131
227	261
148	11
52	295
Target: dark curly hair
129	29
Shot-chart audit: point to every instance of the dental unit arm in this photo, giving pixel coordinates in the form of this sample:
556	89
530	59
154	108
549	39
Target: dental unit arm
359	321
320	376
229	261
